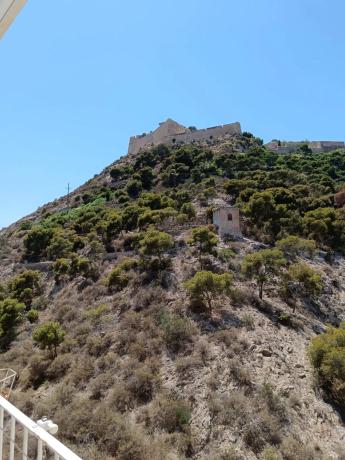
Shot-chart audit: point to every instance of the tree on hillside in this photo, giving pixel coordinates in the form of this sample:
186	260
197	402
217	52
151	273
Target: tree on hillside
155	243
327	355
188	209
10	315
116	173
262	266
260	207
204	240
206	286
134	187
307	278
49	336
25	286
36	242
146	176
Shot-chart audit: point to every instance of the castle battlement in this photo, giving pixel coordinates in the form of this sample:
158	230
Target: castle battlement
315	146
171	132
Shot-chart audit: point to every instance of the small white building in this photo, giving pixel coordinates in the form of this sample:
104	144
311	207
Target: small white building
227	220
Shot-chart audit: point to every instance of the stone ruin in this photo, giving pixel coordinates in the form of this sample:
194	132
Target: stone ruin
170	132
315	146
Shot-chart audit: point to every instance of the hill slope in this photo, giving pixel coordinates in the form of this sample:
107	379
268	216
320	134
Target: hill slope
121	308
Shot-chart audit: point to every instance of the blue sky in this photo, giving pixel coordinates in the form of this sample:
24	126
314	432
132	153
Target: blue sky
78	79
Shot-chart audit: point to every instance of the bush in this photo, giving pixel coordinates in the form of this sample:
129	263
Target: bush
204	240
270	453
58	367
61	269
293	246
32	315
142	383
134	188
37	370
116	173
117	279
188	209
36	242
308	279
178	332
10	315
81	266
327	355
171	414
206	286
127	263
49	336
95	314
25	286
121	398
59	246
155	243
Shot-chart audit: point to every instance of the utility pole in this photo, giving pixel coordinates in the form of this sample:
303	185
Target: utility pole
68	199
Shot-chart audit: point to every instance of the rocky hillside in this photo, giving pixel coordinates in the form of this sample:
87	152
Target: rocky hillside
146	336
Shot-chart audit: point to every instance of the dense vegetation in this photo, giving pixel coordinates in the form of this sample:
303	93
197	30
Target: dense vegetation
120	299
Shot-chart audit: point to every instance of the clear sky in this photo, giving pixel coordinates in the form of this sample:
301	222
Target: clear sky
78	77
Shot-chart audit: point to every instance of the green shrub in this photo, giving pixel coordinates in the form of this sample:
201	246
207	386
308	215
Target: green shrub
49	336
308	279
32	315
10	315
226	254
61	268
118	279
155	243
204	240
127	263
293	246
25	286
134	188
36	242
59	246
95	314
116	173
189	209
262	266
81	266
171	414
206	286
146	177
270	453
327	355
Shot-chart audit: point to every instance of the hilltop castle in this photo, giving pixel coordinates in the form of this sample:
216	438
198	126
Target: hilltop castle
171	132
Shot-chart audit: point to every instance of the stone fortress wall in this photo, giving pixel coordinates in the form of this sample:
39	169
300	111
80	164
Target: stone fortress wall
315	146
171	132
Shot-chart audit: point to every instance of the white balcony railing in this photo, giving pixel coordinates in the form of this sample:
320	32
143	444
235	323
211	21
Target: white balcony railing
21	438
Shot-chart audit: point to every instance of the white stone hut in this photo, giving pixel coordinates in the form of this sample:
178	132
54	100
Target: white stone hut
227	220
